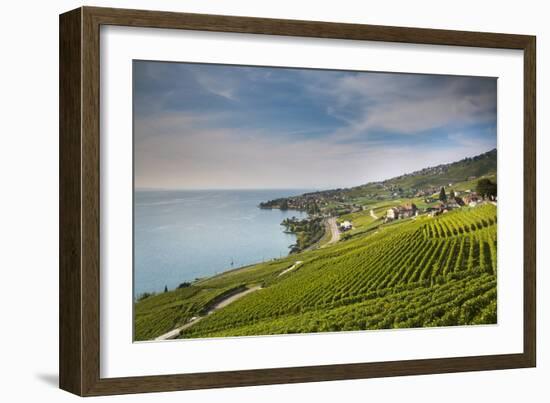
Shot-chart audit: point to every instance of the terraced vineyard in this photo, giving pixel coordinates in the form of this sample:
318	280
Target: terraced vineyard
471	300
414	273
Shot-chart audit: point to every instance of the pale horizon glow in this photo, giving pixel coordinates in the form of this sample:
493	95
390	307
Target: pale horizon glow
221	127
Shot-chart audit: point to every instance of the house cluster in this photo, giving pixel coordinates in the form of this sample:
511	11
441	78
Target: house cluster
441	208
405	211
426	192
471	199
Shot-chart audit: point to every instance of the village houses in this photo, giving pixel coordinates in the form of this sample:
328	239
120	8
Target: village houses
407	210
471	199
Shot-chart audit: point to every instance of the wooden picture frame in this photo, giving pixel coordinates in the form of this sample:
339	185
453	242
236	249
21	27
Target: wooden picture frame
79	346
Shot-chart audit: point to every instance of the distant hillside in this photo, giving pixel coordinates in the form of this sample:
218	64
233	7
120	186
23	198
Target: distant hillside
463	170
424	181
440	175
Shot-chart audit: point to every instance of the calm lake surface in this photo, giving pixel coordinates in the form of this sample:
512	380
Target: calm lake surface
182	235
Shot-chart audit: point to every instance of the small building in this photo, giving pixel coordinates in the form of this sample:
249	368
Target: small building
408	210
472	200
440	208
345	226
392	214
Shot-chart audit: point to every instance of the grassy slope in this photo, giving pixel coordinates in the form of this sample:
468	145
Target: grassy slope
163	312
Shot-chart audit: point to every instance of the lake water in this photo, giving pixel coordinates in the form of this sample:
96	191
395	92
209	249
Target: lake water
182	235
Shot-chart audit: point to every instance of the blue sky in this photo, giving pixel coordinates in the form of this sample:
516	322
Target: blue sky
202	126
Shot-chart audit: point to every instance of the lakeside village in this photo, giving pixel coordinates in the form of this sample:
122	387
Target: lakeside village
323	206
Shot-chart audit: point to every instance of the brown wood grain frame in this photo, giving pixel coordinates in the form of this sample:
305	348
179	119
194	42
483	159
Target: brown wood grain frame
79	280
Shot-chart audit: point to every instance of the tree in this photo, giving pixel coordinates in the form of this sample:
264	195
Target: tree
442	195
452	194
486	188
165	288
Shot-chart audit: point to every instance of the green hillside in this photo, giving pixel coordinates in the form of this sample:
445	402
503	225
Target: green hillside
441	175
464	170
417	272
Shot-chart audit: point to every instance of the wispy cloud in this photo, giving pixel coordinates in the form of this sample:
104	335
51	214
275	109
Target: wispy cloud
217	84
213	126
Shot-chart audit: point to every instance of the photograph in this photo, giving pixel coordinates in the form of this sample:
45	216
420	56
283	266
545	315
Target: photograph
277	200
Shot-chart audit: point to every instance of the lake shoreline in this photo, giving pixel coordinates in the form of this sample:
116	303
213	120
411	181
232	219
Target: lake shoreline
182	236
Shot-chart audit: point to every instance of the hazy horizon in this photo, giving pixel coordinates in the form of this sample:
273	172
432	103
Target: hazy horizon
298	188
219	127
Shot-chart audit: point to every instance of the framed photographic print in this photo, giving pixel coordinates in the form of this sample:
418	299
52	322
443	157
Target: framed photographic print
250	201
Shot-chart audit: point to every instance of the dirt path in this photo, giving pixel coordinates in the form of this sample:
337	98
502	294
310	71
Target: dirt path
172	334
223	303
334	231
299	262
373	215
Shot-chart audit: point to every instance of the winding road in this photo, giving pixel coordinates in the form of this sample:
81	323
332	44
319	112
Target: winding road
172	334
334	231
